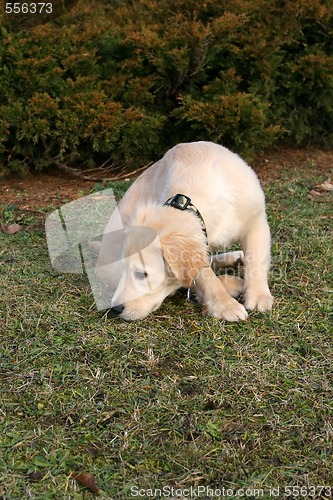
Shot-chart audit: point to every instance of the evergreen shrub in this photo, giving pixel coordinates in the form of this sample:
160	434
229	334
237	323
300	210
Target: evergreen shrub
122	81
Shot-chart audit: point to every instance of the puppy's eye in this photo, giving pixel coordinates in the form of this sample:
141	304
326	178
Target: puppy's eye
140	275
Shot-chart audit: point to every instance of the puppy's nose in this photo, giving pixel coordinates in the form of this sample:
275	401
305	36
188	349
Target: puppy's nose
118	309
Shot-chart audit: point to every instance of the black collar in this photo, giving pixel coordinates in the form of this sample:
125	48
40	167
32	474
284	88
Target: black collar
183	202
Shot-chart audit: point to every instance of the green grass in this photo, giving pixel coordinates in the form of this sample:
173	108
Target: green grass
176	400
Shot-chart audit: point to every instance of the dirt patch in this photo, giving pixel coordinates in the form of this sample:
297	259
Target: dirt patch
273	165
56	188
42	190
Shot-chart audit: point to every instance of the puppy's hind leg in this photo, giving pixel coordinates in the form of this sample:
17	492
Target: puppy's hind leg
233	284
228	259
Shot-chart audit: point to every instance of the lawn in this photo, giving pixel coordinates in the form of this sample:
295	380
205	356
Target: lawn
179	400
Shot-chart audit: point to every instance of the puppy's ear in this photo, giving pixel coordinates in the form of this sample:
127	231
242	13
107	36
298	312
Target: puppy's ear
184	256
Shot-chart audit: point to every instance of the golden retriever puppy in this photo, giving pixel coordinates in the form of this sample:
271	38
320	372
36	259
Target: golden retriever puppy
157	242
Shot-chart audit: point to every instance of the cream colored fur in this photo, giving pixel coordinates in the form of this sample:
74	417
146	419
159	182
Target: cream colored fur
143	267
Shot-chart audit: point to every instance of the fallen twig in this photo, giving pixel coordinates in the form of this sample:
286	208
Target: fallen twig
82	176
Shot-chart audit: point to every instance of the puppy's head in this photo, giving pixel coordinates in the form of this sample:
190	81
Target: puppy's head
153	271
145	280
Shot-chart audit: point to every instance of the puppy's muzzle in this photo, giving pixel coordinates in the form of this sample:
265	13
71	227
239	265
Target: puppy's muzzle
118	309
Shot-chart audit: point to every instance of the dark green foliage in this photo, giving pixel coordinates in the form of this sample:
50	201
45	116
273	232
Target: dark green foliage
125	80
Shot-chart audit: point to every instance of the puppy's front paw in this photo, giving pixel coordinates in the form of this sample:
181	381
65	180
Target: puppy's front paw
231	310
263	301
